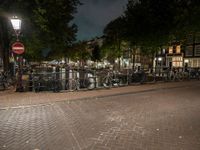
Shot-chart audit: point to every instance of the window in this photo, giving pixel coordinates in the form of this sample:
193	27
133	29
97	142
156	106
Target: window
189	51
197	50
163	51
177	62
171	50
178	49
195	63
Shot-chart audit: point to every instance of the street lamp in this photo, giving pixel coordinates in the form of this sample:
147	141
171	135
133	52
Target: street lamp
160	59
16	24
160	64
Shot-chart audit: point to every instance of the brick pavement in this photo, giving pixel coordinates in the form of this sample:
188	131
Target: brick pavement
14	99
161	119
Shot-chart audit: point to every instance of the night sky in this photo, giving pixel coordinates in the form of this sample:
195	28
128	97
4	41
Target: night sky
93	16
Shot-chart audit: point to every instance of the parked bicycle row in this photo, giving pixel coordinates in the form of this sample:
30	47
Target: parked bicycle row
6	80
78	79
75	80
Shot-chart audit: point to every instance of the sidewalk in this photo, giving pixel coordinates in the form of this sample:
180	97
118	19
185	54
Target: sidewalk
10	98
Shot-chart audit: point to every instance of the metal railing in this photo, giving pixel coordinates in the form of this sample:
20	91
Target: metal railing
88	79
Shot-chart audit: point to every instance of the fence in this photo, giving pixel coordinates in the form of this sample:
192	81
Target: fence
62	79
73	79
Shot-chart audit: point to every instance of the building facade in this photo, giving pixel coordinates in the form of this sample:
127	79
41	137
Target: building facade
192	51
175	55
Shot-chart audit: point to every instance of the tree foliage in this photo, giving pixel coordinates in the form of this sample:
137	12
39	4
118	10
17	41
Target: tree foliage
114	33
187	17
80	51
150	24
46	24
96	53
4	42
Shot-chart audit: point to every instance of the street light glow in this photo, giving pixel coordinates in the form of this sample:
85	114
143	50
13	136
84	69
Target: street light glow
186	61
16	23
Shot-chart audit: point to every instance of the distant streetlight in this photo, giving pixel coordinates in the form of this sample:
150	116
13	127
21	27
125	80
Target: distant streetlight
160	59
160	64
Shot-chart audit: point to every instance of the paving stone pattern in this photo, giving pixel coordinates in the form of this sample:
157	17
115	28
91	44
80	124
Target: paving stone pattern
164	119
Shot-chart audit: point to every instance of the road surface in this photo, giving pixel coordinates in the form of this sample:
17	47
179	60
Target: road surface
158	119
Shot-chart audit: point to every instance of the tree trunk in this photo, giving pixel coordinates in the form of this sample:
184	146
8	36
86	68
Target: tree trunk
4	42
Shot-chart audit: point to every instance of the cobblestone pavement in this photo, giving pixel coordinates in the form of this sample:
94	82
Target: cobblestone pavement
159	119
10	98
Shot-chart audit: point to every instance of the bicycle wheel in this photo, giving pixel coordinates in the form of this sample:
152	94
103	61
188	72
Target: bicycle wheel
180	76
171	76
137	78
91	83
71	85
37	87
85	83
107	82
11	81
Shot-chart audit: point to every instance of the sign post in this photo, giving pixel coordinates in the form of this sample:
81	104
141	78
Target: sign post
18	48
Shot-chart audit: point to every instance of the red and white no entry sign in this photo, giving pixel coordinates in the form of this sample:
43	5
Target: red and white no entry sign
18	48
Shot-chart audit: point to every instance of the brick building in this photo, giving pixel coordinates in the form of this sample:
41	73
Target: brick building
192	51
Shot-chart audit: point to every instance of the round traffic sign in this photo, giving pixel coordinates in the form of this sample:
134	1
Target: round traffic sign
18	48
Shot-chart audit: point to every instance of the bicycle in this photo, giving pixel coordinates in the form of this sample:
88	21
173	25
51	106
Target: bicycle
72	84
138	77
175	75
111	79
38	83
54	84
2	82
6	80
194	74
185	75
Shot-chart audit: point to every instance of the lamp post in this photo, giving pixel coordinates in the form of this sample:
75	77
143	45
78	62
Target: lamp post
160	65
16	24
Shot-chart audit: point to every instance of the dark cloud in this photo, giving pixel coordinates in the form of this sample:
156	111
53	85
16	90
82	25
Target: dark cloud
93	15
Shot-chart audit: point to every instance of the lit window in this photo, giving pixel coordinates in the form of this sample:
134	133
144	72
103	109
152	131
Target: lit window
195	63
177	62
178	49
163	51
171	50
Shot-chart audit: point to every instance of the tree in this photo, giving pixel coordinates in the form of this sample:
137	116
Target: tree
80	52
96	53
187	19
4	41
114	33
156	22
46	24
150	22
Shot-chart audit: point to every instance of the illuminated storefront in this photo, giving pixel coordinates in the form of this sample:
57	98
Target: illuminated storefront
174	57
192	51
192	62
